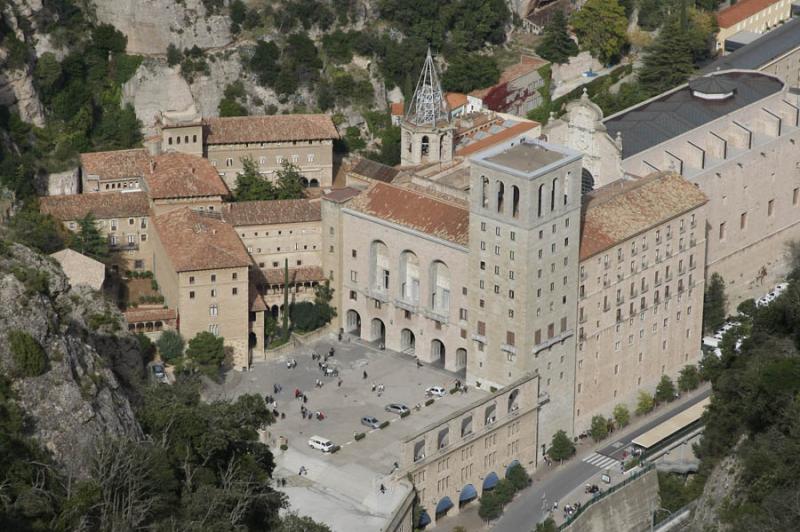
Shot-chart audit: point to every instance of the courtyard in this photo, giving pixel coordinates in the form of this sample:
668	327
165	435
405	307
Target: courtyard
343	488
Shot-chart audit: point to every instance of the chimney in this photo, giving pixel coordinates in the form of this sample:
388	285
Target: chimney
152	165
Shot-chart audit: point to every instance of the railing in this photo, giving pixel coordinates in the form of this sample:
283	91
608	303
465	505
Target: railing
600	496
126	246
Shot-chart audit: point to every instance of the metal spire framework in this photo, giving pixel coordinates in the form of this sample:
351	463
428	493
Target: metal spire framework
428	107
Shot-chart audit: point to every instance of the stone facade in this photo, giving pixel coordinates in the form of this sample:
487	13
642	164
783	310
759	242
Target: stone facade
458	458
755	16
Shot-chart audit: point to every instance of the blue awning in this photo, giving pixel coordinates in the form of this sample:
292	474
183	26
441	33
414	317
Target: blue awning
490	481
424	519
512	464
444	505
468	493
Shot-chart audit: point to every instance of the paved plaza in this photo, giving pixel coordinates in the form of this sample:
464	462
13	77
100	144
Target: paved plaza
343	489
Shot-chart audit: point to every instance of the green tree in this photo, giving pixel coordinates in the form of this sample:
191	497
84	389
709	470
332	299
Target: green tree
601	27
715	303
288	183
264	62
689	378
238	13
556	45
490	506
665	390
89	240
251	185
36	230
548	525
467	72
518	477
668	61
174	55
229	107
599	428
170	346
291	522
622	415
561	447
645	403
323	295
29	358
747	308
337	47
207	351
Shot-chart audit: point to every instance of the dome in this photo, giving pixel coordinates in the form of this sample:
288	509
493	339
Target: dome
712	88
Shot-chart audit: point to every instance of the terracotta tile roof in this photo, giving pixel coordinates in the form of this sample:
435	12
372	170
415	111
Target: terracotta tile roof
180	175
742	10
375	170
415	210
195	241
296	275
116	164
340	195
509	132
103	205
273	128
135	315
455	99
398	109
526	65
623	209
272	212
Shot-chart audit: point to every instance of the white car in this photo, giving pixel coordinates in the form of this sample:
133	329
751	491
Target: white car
438	391
323	444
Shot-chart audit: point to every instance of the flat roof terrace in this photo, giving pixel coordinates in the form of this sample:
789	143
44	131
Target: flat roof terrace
525	157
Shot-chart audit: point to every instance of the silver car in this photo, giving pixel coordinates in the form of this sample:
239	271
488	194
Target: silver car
397	408
371	422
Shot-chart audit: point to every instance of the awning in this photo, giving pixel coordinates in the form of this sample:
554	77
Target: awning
468	493
512	464
424	519
444	505
490	481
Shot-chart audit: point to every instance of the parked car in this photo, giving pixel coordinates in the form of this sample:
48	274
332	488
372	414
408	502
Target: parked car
438	391
323	444
371	422
397	408
158	373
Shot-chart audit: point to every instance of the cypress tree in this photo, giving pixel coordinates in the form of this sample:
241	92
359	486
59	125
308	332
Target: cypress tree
669	60
285	299
557	46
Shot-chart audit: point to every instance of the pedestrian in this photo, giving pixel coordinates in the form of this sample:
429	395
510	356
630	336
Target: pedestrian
383	489
283	415
555	505
373	386
365	374
305	398
340	383
331	352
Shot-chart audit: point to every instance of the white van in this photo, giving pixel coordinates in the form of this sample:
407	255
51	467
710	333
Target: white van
323	444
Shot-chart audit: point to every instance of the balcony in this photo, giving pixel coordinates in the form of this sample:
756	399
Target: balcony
508	348
552	341
378	295
128	246
410	306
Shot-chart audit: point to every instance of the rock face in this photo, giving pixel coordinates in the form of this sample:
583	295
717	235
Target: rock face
151	25
16	82
720	487
156	87
92	361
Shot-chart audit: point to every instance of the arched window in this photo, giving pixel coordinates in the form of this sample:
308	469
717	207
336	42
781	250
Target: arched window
379	262
514	201
440	287
409	277
425	145
501	190
553	195
539	204
484	192
566	187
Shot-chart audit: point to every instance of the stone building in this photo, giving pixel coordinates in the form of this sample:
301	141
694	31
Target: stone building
456	459
80	269
270	141
517	90
524	234
750	17
176	180
277	231
734	134
640	297
122	217
202	269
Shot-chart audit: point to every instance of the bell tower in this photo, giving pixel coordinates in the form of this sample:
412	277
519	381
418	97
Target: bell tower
427	130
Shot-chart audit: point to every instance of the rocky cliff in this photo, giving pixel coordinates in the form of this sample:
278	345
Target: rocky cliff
92	363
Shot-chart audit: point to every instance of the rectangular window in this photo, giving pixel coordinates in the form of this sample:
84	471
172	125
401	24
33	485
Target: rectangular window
743	221
722	231
213	278
795	196
483	265
353	276
770	207
191	279
213	292
353	295
509	337
234	276
234	291
481	328
462	314
191	294
212	310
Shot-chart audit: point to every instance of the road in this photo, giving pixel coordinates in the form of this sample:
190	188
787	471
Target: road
534	503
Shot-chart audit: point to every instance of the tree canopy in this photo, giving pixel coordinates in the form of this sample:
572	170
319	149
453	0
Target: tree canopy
561	447
467	72
207	352
715	303
556	45
668	61
88	240
601	27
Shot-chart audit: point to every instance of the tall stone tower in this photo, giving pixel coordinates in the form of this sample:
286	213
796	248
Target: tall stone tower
524	239
427	131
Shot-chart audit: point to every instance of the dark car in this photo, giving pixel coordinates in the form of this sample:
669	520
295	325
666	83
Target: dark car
397	408
158	373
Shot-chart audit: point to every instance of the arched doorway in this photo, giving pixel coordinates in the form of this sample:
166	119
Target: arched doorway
468	494
353	323
313	183
437	352
587	181
304	182
378	331
407	341
443	507
252	340
274	311
461	358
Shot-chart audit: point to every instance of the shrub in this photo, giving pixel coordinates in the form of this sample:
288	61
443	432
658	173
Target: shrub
665	391
360	436
208	352
429	402
645	403
35	281
383	425
170	344
105	319
284	447
621	415
689	378
490	506
599	428
30	359
406	414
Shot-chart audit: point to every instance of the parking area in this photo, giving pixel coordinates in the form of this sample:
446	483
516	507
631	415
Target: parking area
343	405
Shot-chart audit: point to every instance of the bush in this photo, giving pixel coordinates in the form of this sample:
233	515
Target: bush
30	359
208	352
429	402
665	391
360	436
645	403
490	506
170	345
101	320
689	378
622	415
406	414
284	447
383	425
599	428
